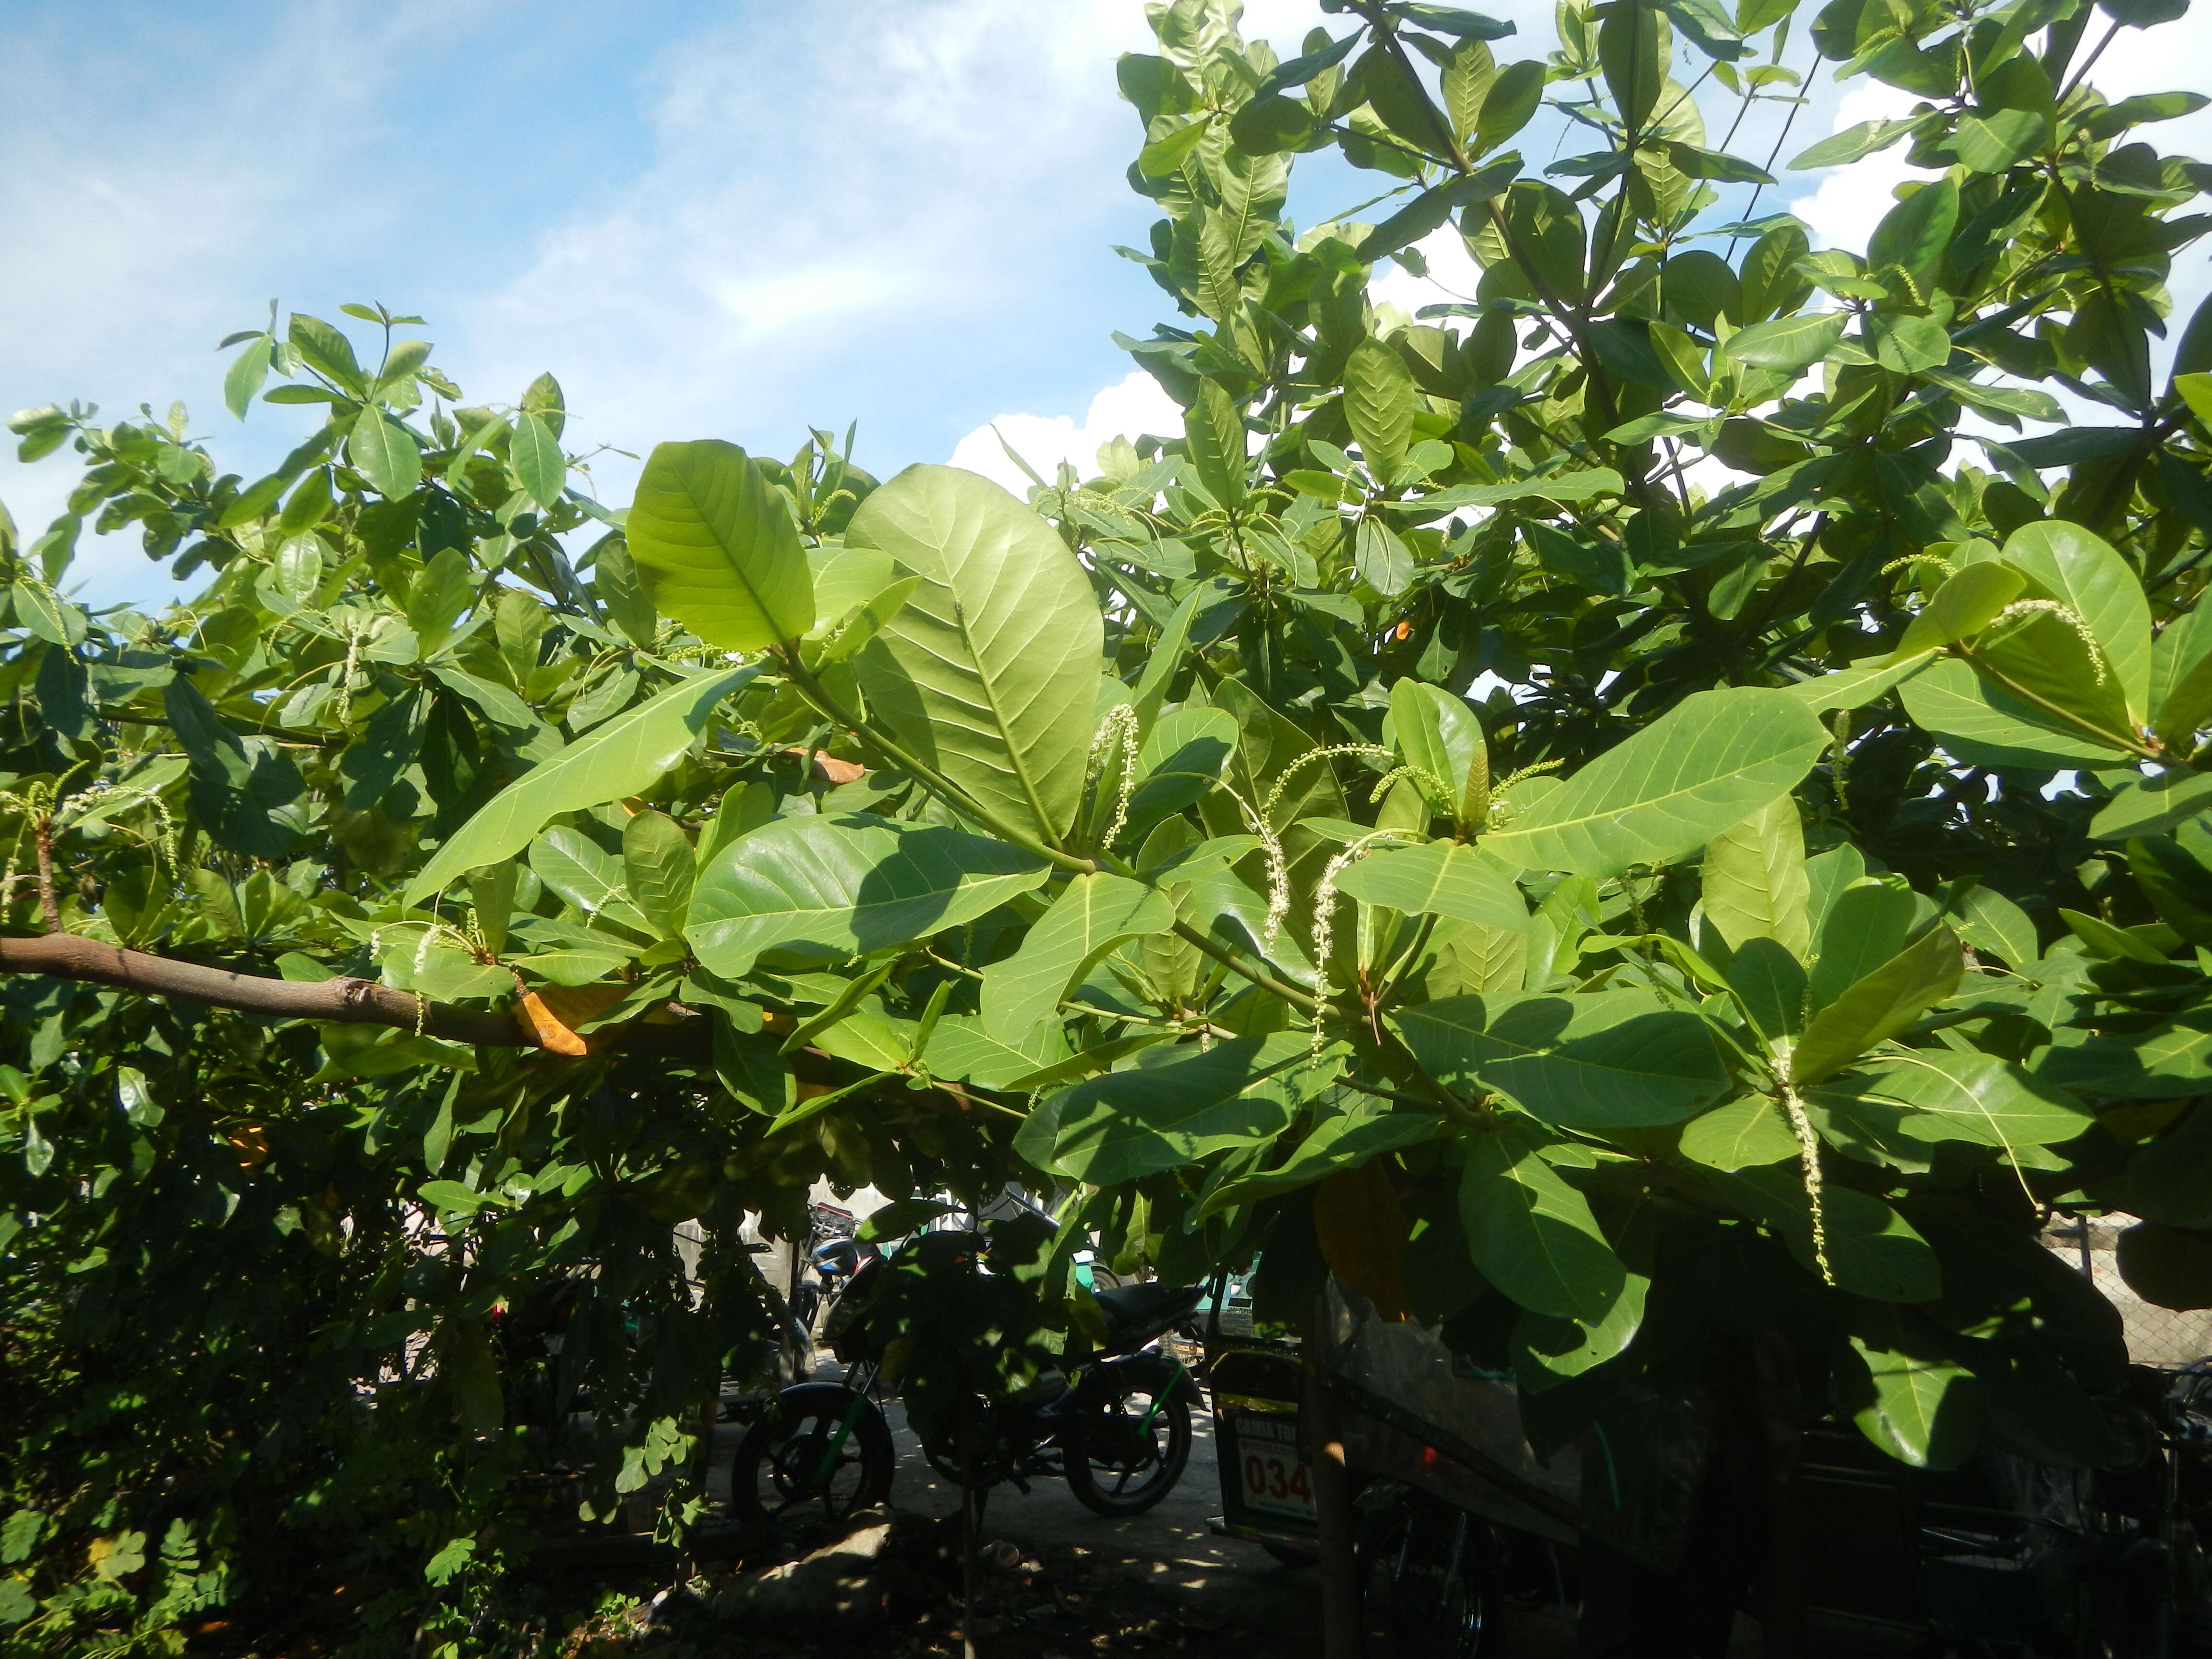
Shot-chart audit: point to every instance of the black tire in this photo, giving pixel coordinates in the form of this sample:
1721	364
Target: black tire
780	1468
1124	1456
1425	1591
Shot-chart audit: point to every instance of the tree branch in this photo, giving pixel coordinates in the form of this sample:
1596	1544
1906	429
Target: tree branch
342	1001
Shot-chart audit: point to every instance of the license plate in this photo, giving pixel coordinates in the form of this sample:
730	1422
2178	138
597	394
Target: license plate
1275	1479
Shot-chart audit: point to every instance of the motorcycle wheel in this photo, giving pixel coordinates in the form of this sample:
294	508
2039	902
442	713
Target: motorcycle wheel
1125	1456
815	1446
1424	1592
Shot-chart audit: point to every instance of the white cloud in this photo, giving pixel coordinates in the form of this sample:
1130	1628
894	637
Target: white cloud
1128	408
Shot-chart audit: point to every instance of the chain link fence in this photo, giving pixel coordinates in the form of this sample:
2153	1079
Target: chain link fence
2156	1336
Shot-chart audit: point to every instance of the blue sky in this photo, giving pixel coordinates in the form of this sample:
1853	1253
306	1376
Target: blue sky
727	220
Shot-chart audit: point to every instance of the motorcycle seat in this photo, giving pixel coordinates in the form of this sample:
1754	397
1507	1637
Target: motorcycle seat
1132	1309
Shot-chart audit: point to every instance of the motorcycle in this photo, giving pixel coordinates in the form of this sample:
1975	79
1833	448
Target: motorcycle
1116	1427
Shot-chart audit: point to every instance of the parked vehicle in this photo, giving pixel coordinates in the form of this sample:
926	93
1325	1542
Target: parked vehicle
1117	1427
1459	1520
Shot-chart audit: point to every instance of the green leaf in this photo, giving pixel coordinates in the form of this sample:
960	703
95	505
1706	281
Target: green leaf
903	1216
2143	806
1962	1095
1991	141
1547	1351
1739	1135
1992	923
1565	487
2081	571
622	757
1907	344
1970	599
990	671
1705	764
1913	234
1878	1005
829	888
1634	50
1925	1411
1596	1060
386	453
719	549
1531	1234
1093	916
1980	727
622	590
244	791
1180	759
1379	400
1343	1142
1174	1106
1166	154
1213	440
1853	143
454	1199
1755	885
1509	104
1789	344
2181	677
1872	1250
1382	560
659	869
246	372
1445	879
1855	687
536	454
1439	734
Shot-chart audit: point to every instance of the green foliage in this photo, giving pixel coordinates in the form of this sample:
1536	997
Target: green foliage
1831	883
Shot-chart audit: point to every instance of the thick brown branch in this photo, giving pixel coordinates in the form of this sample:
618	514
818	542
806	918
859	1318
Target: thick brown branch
335	1002
49	906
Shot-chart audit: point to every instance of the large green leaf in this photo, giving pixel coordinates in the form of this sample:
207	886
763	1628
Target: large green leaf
1532	1234
1093	916
538	459
1880	1005
831	887
386	453
1547	1351
1787	343
1213	442
1704	765
1755	885
1438	734
1872	1250
659	869
1739	1135
1599	1060
2081	571
2142	807
1342	1142
1180	759
990	672
1861	926
1444	879
719	548
1925	1410
1379	397
625	757
1983	727
2181	677
1960	1095
1176	1105
2170	1061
